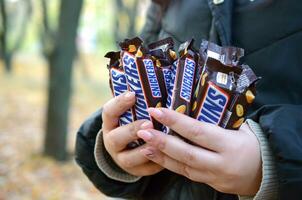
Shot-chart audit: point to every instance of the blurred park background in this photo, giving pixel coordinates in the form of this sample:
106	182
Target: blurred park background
52	76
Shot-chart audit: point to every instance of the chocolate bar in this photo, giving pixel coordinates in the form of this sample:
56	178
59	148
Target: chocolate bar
118	84
165	57
152	81
208	85
217	86
225	89
242	100
129	49
184	87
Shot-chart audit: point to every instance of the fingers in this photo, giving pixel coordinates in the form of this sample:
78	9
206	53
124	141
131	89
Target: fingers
131	158
174	165
114	108
117	139
179	150
147	169
201	133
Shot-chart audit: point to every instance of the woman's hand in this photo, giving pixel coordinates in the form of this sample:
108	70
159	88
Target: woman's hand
227	160
116	138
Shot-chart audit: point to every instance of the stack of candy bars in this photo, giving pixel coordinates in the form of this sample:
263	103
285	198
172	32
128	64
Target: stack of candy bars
209	85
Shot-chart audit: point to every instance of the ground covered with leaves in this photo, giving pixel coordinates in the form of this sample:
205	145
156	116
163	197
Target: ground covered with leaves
24	172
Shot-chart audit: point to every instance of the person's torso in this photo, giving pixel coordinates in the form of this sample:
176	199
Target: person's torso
270	31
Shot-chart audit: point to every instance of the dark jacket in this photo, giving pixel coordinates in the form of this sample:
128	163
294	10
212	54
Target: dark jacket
270	31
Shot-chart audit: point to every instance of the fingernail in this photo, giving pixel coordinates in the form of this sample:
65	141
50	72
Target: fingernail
145	135
147	124
155	112
129	95
148	152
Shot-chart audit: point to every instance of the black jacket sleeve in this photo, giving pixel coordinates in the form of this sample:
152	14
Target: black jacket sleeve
283	126
150	187
85	143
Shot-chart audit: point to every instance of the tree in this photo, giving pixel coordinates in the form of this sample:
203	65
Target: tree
47	33
8	26
60	59
3	34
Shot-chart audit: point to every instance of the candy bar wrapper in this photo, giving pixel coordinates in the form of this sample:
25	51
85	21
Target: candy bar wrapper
217	87
161	49
242	100
152	82
209	86
129	48
118	84
229	56
185	78
143	78
165	57
169	73
225	90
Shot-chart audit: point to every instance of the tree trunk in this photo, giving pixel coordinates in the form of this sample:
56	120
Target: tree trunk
3	38
60	75
24	22
47	34
7	53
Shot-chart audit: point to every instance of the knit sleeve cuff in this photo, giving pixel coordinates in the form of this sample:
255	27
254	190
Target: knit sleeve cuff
269	185
107	165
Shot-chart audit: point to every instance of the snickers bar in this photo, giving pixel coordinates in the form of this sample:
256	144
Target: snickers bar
118	84
184	86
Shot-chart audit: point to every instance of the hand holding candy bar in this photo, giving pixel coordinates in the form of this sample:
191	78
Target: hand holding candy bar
227	160
203	91
116	138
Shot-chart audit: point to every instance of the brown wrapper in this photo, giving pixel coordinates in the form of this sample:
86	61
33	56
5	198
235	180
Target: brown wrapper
215	91
114	63
184	85
226	55
163	53
209	86
242	100
130	45
118	84
225	89
152	81
129	49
